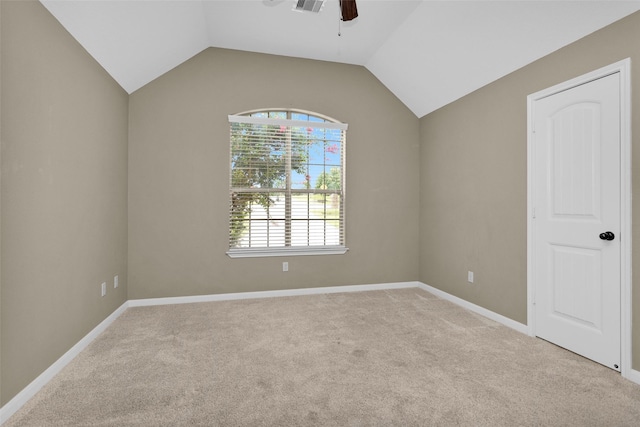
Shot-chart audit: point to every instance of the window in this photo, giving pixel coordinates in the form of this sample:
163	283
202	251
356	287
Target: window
287	184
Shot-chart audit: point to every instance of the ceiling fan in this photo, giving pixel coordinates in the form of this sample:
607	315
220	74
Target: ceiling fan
348	8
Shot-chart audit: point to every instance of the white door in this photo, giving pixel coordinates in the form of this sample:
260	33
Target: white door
577	219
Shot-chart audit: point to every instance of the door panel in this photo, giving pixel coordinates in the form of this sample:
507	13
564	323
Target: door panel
576	286
577	197
575	176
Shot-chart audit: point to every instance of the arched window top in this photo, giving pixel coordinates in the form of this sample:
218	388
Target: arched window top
289	114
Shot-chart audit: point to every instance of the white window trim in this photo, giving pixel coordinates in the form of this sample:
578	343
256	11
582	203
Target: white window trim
287	251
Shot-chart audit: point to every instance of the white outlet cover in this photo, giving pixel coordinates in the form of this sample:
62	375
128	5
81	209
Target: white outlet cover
115	282
470	276
104	288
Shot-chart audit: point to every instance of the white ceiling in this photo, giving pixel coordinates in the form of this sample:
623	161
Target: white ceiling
428	53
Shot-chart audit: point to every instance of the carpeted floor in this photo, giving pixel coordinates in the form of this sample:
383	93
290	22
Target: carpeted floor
379	358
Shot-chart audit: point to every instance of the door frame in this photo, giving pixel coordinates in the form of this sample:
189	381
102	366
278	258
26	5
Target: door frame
624	69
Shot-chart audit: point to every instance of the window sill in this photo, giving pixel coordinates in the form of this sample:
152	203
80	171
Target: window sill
269	252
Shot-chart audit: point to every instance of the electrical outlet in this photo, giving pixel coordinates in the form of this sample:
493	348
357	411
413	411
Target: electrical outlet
115	282
470	276
285	266
104	288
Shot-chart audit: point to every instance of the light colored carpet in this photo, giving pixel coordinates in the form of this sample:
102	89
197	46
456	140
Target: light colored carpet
380	358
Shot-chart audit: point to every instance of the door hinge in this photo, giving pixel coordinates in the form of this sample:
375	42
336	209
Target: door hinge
534	213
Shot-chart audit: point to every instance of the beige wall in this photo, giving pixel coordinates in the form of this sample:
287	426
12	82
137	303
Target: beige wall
179	175
474	182
63	195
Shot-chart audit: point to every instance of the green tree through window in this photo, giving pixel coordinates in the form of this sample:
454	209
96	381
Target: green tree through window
259	160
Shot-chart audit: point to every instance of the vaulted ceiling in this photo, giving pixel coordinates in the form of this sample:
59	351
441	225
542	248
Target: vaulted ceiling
428	53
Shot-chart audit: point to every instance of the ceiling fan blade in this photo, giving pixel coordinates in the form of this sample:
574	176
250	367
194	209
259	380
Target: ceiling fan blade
349	10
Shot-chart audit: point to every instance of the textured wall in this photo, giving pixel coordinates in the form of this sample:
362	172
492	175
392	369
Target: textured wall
64	193
474	177
179	175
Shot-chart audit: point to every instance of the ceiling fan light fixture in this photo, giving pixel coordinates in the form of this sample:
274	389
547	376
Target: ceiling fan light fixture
314	6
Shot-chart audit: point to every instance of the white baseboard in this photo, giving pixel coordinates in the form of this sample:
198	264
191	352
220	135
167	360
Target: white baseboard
520	327
270	294
29	391
632	375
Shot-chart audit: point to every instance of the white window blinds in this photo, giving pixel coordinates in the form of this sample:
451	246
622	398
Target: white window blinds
287	184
